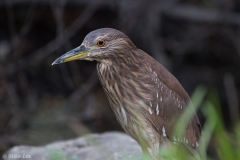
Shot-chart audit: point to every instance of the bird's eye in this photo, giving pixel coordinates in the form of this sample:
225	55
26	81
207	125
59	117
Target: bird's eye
101	43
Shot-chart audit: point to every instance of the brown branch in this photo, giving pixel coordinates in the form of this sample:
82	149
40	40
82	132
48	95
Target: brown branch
197	14
46	2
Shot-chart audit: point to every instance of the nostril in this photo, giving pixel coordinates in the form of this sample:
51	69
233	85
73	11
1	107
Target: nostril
82	47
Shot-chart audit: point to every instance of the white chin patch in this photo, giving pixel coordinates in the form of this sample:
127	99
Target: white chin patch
89	59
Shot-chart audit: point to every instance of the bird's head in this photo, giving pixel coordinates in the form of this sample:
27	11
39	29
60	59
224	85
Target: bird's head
100	45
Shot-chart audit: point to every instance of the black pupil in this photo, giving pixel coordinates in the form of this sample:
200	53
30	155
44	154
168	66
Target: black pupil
100	43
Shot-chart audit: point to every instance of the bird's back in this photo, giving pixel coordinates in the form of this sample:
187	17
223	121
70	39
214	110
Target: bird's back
172	101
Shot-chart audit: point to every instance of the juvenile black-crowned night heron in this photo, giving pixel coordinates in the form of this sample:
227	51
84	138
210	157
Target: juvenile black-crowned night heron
145	97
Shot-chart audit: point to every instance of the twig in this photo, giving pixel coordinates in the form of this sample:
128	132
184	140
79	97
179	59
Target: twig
69	33
79	93
232	97
27	23
57	42
197	14
83	89
11	91
58	9
234	37
11	19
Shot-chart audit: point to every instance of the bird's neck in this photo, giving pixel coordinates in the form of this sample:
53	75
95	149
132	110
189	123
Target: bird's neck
117	75
127	60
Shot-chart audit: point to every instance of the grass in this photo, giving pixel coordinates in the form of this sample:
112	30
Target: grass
225	142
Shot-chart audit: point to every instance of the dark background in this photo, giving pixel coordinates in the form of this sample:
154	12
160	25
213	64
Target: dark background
197	40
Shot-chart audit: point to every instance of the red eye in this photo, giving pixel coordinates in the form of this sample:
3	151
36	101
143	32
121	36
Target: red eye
101	43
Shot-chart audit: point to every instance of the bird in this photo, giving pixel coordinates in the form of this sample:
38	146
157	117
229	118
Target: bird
145	97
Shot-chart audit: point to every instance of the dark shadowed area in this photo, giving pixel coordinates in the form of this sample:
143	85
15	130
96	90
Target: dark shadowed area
198	41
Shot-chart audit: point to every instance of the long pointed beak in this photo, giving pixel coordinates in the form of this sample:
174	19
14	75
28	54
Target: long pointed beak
75	54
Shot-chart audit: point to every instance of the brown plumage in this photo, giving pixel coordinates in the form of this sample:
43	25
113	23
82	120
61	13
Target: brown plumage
146	98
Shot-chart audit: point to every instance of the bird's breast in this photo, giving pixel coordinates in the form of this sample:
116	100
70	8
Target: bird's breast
123	86
125	96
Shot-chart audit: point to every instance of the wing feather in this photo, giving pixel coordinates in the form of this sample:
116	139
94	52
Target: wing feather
169	100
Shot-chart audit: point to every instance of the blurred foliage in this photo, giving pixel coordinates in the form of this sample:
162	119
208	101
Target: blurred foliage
224	142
